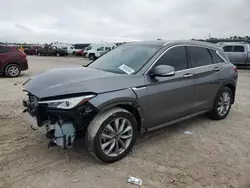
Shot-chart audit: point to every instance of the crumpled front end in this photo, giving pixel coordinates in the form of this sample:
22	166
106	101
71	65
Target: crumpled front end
59	124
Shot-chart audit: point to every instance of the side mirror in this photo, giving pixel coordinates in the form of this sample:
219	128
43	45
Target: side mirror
163	71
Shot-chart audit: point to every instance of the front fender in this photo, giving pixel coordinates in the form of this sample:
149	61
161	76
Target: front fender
105	101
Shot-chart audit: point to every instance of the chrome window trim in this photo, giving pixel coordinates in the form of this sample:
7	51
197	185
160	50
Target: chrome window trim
185	45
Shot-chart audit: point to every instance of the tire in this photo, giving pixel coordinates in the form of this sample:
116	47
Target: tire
58	54
215	112
73	54
39	53
98	127
92	56
12	70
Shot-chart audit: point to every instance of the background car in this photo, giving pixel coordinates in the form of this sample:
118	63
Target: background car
12	61
51	50
95	51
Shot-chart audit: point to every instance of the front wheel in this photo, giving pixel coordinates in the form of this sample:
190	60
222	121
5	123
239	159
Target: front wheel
111	135
92	56
222	104
57	54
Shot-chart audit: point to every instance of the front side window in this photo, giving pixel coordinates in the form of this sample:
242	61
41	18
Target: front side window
88	48
126	59
199	56
228	48
100	49
239	49
175	57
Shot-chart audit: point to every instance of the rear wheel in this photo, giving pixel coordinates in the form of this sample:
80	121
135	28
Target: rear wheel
222	104
39	53
12	70
73	53
57	54
111	135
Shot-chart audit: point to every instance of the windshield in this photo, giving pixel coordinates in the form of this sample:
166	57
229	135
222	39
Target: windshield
126	59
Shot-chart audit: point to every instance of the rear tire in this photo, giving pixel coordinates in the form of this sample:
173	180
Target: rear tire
222	104
12	70
111	135
58	54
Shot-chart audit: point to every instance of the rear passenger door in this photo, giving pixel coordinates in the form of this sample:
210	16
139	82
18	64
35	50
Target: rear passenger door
239	54
3	57
206	76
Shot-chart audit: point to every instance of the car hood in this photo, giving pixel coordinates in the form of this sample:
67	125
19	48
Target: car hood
75	80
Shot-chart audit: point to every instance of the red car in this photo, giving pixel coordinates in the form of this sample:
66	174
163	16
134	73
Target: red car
79	52
12	61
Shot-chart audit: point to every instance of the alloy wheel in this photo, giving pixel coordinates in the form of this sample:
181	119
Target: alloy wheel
116	137
224	103
13	70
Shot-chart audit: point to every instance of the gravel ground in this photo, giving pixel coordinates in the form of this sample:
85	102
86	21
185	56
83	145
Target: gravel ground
215	155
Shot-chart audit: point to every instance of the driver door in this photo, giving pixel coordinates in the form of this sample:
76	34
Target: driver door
171	97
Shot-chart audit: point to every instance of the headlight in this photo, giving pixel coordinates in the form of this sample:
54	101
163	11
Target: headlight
67	103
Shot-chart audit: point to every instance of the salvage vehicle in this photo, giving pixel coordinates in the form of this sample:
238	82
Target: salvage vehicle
51	50
134	88
238	54
12	61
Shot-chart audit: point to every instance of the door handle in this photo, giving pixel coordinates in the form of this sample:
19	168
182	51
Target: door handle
188	75
216	68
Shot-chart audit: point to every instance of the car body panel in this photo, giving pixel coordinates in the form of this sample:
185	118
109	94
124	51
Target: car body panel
168	98
59	82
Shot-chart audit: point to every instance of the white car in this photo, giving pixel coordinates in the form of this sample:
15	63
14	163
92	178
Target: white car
94	51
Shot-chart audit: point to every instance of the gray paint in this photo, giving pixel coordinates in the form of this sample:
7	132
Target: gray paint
158	99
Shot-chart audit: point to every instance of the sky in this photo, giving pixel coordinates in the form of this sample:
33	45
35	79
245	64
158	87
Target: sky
79	21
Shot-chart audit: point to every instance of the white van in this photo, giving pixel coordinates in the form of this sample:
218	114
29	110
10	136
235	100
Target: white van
94	51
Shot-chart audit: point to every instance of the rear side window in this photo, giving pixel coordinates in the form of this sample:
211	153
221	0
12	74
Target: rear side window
199	56
239	49
3	49
228	48
216	57
175	57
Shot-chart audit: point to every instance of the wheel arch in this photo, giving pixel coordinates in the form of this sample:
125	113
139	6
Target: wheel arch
131	107
232	87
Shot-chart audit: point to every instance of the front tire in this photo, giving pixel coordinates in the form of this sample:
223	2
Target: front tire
92	56
111	135
12	70
222	105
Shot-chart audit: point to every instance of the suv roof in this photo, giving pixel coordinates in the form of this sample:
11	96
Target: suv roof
176	42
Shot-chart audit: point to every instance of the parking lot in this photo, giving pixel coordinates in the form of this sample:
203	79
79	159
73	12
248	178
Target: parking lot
216	154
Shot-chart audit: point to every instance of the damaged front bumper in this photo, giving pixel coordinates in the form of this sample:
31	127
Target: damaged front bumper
61	127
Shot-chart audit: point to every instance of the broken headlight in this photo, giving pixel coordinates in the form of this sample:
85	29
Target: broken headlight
67	103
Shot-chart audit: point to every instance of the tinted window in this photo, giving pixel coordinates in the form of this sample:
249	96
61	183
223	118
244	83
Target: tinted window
228	48
107	48
3	49
216	57
239	49
125	57
175	57
100	49
200	56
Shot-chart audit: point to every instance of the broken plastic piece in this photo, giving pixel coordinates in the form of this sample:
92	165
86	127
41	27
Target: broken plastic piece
135	181
187	132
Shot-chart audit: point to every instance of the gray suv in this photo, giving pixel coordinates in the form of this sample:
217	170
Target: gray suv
134	88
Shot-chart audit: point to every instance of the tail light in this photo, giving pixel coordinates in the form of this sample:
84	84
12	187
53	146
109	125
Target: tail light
235	69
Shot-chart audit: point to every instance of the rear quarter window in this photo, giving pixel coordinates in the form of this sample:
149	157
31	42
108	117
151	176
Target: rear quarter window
216	57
